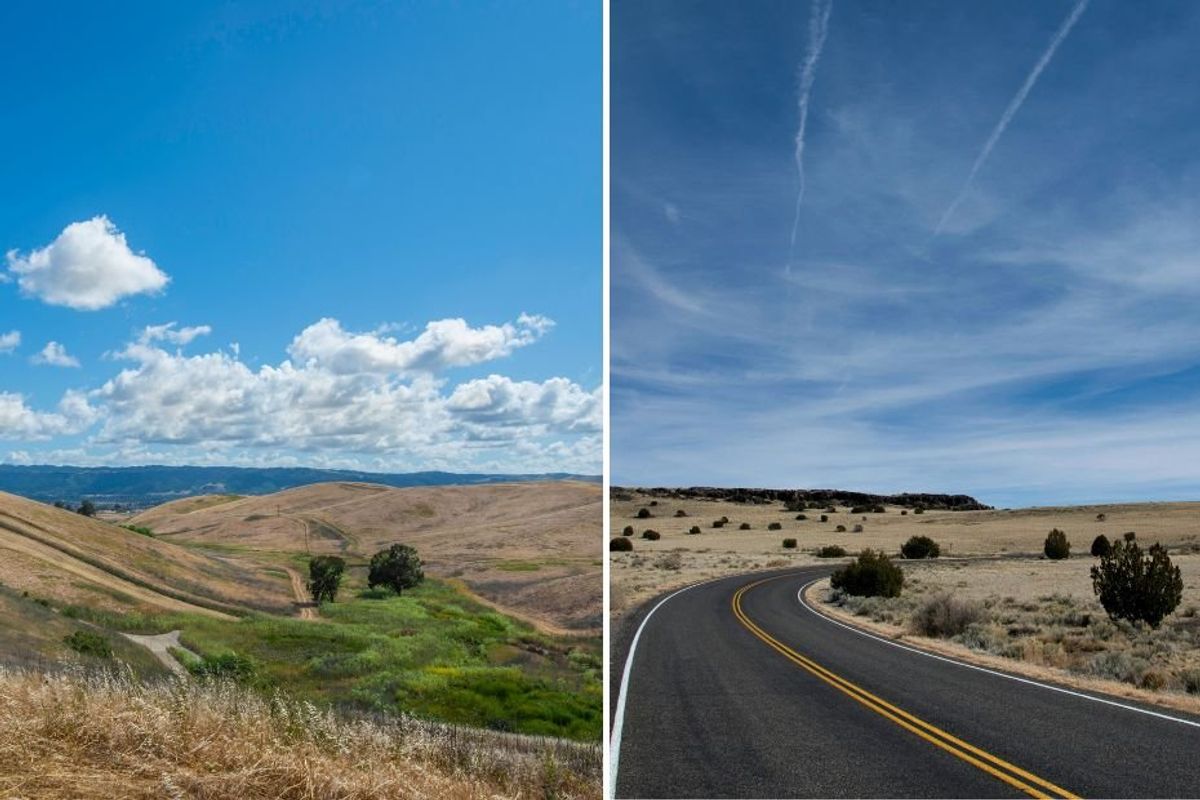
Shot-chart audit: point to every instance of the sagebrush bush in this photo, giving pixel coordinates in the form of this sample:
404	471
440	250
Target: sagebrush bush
1101	546
628	531
831	551
920	547
745	526
644	513
680	513
1135	586
858	528
841	529
802	517
718	523
651	534
824	518
872	574
919	510
694	529
620	544
904	512
943	616
790	544
1056	546
775	526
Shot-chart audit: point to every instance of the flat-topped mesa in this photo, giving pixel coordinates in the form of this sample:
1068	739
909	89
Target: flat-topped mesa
836	497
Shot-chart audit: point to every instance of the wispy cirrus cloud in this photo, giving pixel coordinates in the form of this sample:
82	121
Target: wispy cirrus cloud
818	31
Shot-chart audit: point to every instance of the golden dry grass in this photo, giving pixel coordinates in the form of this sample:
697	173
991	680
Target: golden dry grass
531	549
104	736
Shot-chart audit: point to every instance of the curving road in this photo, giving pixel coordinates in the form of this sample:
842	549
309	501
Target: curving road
737	689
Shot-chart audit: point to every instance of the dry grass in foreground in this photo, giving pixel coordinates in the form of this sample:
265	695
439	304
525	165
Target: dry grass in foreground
90	736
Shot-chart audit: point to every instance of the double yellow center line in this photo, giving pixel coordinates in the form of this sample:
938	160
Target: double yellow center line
1009	773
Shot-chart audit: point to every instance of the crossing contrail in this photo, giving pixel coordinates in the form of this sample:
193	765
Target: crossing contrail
818	28
1010	112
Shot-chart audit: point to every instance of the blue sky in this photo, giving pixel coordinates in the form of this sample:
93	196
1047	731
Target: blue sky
993	284
375	225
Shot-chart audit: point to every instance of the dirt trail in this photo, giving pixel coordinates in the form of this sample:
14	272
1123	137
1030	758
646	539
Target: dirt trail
160	645
15	541
305	606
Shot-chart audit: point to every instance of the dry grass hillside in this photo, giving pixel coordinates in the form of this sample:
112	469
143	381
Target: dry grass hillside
530	549
79	736
69	559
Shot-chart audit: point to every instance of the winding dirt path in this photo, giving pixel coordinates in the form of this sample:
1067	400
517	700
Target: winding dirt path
160	645
303	604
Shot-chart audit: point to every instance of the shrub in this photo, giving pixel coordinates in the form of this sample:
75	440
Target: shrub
790	544
325	577
144	531
653	502
652	535
694	529
87	508
1190	678
872	574
831	510
1101	517
943	616
620	544
1133	585
725	520
878	509
397	568
904	512
680	513
841	528
1101	546
859	509
89	644
628	531
775	526
718	523
824	518
920	547
644	513
919	510
225	666
1056	546
858	528
745	526
831	551
802	517
1130	536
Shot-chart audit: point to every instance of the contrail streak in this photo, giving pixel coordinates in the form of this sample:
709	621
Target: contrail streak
1010	112
818	28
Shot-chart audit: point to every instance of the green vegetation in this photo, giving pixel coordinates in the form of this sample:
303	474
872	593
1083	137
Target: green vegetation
944	616
790	544
694	529
644	513
1101	546
872	575
620	544
775	526
87	508
831	551
652	535
1137	586
1057	547
920	547
89	644
628	531
325	577
397	568
745	526
144	531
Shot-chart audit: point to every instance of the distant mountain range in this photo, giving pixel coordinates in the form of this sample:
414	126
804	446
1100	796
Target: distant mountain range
947	502
140	487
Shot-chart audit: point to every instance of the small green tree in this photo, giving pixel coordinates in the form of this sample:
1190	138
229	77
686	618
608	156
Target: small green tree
872	574
87	508
620	544
644	513
1135	586
325	578
1057	546
920	547
398	568
1101	546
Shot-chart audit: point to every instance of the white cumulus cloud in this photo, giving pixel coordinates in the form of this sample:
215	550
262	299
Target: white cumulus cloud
170	332
55	355
9	341
88	267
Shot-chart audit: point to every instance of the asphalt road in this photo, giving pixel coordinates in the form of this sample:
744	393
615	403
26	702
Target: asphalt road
765	698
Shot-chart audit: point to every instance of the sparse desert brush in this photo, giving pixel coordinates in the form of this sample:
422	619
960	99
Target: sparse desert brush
694	529
644	513
1056	546
82	735
1190	678
775	526
824	518
919	510
944	616
841	529
628	531
620	544
872	574
790	544
920	547
801	517
718	523
745	526
1101	546
904	512
651	534
680	513
858	528
670	561
831	551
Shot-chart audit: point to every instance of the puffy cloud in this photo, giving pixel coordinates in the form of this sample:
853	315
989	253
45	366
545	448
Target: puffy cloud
19	421
55	355
9	341
170	332
444	343
88	267
496	403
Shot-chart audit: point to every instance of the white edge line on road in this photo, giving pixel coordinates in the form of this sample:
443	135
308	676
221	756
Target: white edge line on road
619	716
965	665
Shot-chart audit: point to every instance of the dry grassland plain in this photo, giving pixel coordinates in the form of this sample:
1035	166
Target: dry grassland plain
1033	615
